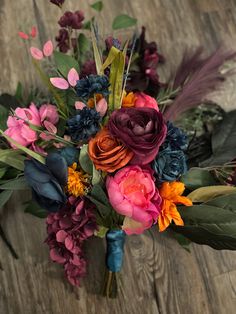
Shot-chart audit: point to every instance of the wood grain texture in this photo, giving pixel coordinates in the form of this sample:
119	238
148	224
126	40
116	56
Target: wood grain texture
158	276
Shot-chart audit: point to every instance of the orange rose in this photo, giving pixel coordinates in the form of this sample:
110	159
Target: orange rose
108	153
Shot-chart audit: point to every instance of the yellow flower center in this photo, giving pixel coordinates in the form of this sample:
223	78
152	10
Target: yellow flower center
76	184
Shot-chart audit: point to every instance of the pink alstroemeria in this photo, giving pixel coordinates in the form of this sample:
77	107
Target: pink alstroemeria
62	83
38	54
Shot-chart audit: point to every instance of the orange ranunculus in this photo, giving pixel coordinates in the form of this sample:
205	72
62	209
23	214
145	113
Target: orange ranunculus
129	100
171	193
108	153
91	101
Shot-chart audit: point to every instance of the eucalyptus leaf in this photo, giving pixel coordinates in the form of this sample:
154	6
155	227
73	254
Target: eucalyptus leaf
212	223
97	176
84	160
34	209
98	6
64	63
24	149
123	21
182	240
198	177
15	184
206	193
223	141
12	158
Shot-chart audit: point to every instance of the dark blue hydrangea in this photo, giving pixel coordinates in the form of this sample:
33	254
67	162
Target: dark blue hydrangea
176	139
93	84
169	165
84	124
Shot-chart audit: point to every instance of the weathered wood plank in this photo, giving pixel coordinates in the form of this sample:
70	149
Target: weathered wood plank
158	276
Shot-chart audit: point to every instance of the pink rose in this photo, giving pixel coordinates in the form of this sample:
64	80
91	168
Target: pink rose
144	100
49	113
18	129
132	193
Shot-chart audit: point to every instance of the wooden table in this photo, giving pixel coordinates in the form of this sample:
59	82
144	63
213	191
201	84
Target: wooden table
158	275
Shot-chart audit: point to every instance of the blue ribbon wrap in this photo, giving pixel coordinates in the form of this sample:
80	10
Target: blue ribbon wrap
115	249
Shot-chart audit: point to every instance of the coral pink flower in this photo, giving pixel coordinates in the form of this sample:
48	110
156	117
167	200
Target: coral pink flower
18	129
132	193
49	113
144	100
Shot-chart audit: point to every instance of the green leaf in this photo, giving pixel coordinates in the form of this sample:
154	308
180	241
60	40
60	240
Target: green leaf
206	193
64	63
15	184
3	117
98	6
87	25
123	21
97	176
34	209
2	171
182	240
99	198
13	158
223	141
84	160
212	223
197	177
83	46
24	149
19	92
4	197
9	101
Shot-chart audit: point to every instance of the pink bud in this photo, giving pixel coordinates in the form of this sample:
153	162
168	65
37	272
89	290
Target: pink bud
36	53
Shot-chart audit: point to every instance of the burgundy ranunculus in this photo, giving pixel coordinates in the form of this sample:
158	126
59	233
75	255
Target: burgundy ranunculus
89	67
58	2
142	130
73	20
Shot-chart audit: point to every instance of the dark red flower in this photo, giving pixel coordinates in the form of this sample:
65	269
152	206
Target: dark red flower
142	130
89	67
63	40
73	20
67	231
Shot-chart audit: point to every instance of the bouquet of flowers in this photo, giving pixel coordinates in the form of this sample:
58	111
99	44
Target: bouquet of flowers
111	151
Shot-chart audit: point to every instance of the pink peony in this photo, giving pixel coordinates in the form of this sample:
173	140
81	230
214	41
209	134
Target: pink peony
18	130
132	193
144	100
49	113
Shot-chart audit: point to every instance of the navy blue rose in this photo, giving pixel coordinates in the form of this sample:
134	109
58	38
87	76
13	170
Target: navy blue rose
175	139
48	181
169	165
71	154
84	124
91	85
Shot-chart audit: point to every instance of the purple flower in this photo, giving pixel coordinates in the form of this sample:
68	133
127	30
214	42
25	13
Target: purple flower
73	20
143	130
57	2
67	230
